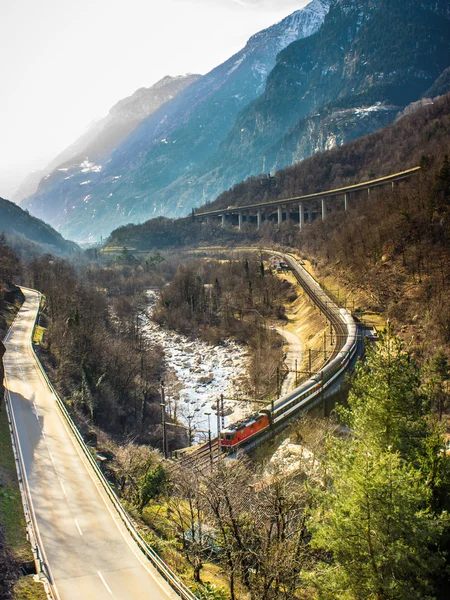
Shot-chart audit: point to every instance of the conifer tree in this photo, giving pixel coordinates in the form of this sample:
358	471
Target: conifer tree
379	519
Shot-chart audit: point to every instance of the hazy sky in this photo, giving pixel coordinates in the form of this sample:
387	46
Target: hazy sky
64	63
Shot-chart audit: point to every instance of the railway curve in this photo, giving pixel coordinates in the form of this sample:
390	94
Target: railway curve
303	397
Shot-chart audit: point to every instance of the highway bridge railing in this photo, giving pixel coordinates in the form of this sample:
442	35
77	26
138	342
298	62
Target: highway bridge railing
172	579
364	185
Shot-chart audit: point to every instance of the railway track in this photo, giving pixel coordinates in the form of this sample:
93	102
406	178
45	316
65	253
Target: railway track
322	301
339	360
203	457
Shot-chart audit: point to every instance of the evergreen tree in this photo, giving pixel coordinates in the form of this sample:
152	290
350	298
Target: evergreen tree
387	406
438	381
375	523
381	518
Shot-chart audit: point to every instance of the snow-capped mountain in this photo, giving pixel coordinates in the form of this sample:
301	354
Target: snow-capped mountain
171	142
106	134
369	60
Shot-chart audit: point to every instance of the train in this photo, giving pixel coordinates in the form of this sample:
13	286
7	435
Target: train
245	430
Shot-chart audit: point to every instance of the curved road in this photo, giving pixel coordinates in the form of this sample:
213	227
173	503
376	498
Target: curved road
293	358
89	552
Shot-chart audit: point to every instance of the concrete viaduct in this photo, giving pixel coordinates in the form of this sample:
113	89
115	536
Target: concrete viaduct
306	207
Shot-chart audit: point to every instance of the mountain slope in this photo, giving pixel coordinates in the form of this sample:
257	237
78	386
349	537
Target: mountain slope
415	138
441	86
103	136
17	222
170	143
367	62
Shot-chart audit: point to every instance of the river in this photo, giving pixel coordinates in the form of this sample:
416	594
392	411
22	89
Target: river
197	374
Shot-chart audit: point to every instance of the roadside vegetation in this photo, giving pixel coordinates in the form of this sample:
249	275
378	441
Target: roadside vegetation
359	515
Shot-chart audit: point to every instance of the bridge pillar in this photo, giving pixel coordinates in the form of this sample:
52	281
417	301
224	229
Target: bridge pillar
240	219
280	215
324	209
288	212
224	220
368	192
393	185
258	218
345	201
310	213
301	215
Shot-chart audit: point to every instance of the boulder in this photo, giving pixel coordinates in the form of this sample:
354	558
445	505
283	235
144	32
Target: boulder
206	379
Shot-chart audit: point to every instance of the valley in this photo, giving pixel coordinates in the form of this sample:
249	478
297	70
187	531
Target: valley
234	383
196	374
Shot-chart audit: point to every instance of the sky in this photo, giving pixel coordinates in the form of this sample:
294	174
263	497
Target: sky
64	63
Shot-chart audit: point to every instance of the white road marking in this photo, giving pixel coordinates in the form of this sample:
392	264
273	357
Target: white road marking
81	533
34	376
63	488
104	582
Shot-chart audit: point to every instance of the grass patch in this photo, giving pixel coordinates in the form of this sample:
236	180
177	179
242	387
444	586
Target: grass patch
11	510
372	319
29	589
38	335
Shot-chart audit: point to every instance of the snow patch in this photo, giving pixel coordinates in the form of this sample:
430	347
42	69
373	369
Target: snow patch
88	167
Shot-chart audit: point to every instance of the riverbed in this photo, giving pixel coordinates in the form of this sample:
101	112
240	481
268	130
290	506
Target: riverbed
197	374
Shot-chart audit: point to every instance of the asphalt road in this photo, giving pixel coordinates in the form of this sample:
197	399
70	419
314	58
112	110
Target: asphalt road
88	550
293	358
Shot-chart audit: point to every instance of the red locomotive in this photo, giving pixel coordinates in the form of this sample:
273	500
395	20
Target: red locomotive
244	430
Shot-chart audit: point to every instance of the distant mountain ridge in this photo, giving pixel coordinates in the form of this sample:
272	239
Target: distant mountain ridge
419	137
362	63
106	134
16	222
175	139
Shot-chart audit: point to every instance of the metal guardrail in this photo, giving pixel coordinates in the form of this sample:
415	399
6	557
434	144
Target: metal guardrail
173	580
30	518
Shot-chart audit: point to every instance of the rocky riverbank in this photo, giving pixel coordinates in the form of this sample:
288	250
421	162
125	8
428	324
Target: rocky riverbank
197	374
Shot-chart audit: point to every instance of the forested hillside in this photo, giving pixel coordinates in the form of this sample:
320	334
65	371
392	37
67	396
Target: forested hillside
19	224
390	246
425	130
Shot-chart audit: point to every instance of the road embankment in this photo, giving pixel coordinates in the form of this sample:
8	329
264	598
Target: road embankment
87	551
